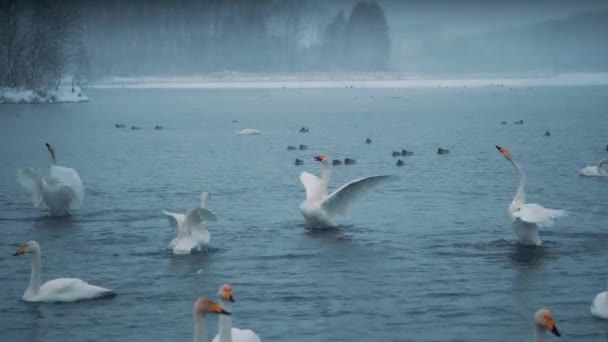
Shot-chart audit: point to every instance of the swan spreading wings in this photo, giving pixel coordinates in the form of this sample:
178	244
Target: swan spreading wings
191	230
56	290
58	192
320	208
527	217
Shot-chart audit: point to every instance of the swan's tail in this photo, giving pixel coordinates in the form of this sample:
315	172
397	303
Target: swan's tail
31	180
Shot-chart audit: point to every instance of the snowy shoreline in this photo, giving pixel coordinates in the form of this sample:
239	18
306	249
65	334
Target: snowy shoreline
62	95
311	81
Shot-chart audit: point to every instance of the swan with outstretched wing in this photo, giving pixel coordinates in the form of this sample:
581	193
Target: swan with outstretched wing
527	217
192	233
319	208
58	192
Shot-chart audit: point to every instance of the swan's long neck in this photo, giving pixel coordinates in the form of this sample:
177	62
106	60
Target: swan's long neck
53	160
199	327
325	175
34	285
520	193
225	325
539	333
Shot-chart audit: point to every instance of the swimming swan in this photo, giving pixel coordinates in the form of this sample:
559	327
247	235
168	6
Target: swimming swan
202	307
191	230
598	170
599	307
226	333
58	192
319	208
527	217
56	290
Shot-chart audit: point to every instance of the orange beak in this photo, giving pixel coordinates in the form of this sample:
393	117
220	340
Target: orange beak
218	309
228	295
504	152
551	326
20	251
320	158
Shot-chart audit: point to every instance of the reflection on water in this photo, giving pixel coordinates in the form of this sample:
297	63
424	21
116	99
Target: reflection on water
528	256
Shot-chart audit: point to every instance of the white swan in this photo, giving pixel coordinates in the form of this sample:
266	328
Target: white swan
56	290
249	131
319	208
202	307
226	332
543	321
58	192
598	170
191	230
527	217
599	307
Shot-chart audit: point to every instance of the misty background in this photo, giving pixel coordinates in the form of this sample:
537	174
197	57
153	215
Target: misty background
45	41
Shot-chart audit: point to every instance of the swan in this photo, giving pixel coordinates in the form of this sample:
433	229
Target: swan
319	208
226	333
599	307
56	290
249	131
202	307
543	321
527	217
57	192
191	231
598	170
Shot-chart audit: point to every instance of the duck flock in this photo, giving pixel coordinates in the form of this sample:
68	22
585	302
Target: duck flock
62	190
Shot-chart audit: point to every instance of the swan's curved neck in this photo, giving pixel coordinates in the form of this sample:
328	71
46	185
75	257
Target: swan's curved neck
325	174
539	333
52	152
520	193
34	285
225	322
199	327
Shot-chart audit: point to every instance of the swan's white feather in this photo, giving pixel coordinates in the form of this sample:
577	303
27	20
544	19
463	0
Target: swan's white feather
31	180
70	178
175	219
241	335
537	214
315	191
340	200
198	215
67	290
599	307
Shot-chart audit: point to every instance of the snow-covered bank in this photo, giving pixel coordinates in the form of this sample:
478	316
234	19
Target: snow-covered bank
379	80
62	95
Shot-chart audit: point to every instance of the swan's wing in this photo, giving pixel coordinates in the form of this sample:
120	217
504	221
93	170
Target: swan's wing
199	215
175	219
340	200
313	186
31	180
241	335
70	178
70	290
534	213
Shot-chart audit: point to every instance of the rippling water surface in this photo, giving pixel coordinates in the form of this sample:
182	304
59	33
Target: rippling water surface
428	258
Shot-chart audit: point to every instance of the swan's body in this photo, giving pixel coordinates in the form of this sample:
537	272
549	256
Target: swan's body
527	217
599	307
320	208
58	192
226	333
249	131
202	307
56	290
191	231
599	170
543	321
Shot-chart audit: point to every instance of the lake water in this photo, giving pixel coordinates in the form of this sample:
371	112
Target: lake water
428	258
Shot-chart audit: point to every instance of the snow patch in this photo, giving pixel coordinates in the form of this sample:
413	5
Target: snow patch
62	95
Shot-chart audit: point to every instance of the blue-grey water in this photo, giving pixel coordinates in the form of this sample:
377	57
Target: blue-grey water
428	258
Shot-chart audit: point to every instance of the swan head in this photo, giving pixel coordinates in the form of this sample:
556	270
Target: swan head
204	306
225	292
506	153
544	319
29	247
323	159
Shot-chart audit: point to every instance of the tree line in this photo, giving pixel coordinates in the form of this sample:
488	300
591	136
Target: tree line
41	42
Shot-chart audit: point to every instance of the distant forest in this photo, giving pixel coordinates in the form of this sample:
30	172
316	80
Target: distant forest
43	40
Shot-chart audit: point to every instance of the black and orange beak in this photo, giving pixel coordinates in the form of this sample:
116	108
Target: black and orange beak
320	158
552	327
500	149
48	146
218	310
20	251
